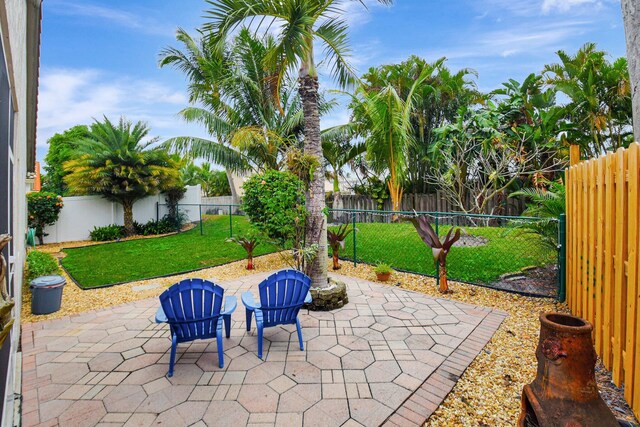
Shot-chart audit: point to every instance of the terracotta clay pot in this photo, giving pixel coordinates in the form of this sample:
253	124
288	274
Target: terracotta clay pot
383	277
564	392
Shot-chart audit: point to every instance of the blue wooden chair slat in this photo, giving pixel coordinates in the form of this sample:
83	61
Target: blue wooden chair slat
282	295
193	310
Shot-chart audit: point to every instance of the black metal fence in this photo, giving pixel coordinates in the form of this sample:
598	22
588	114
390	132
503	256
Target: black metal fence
504	252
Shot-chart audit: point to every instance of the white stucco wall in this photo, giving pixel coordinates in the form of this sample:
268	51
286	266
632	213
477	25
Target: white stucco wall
13	30
82	213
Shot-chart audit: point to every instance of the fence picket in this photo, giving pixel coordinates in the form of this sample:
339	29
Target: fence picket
632	272
591	243
600	255
610	238
620	280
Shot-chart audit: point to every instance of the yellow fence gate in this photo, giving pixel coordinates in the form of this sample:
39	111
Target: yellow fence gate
603	260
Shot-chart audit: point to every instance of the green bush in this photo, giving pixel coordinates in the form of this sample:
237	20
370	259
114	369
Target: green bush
41	264
44	209
164	226
114	232
274	203
106	233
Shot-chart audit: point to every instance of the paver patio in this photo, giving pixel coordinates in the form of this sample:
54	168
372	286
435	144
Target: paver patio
389	357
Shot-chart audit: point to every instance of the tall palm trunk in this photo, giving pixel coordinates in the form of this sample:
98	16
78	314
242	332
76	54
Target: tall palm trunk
127	207
316	231
631	15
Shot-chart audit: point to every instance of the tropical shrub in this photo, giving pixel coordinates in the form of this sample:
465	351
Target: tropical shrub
163	226
107	233
547	202
274	203
439	248
44	209
248	242
40	264
336	237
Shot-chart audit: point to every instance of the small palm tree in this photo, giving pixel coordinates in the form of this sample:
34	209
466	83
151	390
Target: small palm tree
384	119
248	243
440	248
336	239
114	163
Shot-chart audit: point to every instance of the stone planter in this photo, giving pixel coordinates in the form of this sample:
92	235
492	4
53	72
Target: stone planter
330	298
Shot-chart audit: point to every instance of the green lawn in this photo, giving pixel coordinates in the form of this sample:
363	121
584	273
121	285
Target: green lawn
399	245
131	260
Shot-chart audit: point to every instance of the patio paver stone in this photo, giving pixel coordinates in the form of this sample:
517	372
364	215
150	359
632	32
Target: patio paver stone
389	356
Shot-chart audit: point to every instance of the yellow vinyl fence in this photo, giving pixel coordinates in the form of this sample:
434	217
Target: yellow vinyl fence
603	260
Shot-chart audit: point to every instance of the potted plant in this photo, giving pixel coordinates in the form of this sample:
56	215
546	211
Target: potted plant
383	271
336	238
249	243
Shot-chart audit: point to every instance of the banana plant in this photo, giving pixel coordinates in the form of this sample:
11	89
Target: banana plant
249	244
439	248
336	238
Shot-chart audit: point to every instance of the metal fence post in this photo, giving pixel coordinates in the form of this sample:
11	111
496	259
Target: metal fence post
230	223
200	210
355	240
157	212
562	258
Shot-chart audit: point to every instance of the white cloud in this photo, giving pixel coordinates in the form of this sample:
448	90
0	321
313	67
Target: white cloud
566	5
139	22
506	42
69	97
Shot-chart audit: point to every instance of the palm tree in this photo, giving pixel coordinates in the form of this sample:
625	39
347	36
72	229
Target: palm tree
214	182
631	15
298	25
114	162
436	103
383	118
599	111
232	96
338	152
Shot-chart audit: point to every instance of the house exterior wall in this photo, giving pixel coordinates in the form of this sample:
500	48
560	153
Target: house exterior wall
82	213
14	31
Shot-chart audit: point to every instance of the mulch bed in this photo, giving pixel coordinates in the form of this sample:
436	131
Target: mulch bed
541	281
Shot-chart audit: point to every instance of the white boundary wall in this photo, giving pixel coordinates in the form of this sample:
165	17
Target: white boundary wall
81	214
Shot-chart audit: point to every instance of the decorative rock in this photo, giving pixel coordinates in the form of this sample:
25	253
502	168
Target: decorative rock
331	298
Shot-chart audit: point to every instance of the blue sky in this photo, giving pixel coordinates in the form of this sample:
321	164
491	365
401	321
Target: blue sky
99	57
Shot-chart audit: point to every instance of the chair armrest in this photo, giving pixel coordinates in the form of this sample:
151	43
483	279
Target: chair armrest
230	304
308	299
161	317
248	302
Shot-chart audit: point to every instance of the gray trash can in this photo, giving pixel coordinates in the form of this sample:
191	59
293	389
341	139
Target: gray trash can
46	294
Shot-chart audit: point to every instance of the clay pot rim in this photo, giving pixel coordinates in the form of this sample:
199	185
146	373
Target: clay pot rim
574	324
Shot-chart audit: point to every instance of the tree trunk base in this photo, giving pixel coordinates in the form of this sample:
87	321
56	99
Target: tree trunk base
329	298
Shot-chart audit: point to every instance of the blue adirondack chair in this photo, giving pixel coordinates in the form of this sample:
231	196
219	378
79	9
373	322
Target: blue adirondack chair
193	310
281	296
